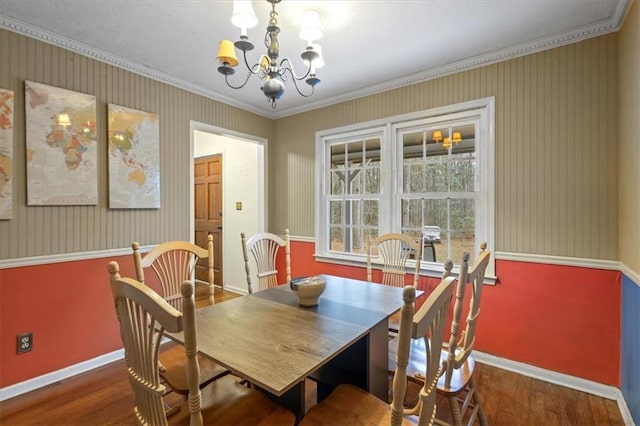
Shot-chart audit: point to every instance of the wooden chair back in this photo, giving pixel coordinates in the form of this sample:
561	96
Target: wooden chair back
395	249
264	249
173	262
427	324
461	341
141	311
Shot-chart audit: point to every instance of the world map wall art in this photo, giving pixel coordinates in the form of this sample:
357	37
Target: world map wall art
6	152
134	159
61	151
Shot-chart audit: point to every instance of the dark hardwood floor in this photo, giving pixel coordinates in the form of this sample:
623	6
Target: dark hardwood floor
102	397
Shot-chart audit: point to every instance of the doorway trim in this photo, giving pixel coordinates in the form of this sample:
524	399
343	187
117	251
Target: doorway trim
228	243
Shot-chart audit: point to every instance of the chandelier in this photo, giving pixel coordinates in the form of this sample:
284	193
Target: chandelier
269	68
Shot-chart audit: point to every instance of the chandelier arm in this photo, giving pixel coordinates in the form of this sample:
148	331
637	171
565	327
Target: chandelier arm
295	82
289	67
226	79
251	68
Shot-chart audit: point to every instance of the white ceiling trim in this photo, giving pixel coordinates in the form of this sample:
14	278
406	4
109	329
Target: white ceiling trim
599	28
117	61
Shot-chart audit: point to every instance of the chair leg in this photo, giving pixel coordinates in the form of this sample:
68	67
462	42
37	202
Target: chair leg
477	401
455	411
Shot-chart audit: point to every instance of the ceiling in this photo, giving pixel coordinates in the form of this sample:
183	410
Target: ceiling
369	45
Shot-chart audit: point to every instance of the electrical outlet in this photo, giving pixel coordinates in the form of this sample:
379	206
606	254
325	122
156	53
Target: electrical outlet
24	343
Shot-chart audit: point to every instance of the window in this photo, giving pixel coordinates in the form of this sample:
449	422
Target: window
426	174
354	191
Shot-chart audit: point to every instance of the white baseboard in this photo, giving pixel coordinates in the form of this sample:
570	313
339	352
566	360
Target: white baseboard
56	376
572	382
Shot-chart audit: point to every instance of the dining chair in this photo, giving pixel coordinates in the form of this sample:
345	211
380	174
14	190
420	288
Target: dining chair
457	382
458	365
264	249
173	262
141	311
394	250
348	404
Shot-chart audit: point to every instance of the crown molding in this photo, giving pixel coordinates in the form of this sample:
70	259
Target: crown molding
612	24
605	26
49	37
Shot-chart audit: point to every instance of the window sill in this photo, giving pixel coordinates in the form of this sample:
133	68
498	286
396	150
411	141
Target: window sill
430	269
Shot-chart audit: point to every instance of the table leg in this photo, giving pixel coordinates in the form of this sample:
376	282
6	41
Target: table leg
363	364
378	364
294	400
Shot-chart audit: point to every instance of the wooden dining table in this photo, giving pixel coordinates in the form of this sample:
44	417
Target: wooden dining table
271	341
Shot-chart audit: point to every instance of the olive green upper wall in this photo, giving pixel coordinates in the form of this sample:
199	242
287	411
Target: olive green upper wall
556	168
45	230
630	140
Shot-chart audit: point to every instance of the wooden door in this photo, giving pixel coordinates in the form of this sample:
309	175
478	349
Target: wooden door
208	211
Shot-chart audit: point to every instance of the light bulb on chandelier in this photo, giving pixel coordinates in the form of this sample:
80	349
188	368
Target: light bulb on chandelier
267	67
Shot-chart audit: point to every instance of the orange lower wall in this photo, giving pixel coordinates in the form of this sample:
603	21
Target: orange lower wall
68	307
560	318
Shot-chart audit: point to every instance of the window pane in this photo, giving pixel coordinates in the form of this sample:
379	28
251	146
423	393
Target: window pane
463	215
462	228
371	235
372	150
337	238
413	145
337	155
413	153
436	175
337	182
435	213
356	212
335	212
370	212
413	176
372	178
411	215
354	154
354	180
359	242
463	171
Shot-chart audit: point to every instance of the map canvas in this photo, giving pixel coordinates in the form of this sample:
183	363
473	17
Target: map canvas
134	159
62	166
6	152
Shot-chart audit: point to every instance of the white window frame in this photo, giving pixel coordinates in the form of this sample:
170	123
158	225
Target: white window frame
482	110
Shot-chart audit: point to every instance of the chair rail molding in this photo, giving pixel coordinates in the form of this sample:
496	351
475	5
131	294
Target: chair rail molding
613	265
633	275
69	257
